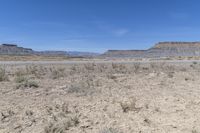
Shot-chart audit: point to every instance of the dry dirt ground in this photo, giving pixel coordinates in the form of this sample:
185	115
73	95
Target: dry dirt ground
100	98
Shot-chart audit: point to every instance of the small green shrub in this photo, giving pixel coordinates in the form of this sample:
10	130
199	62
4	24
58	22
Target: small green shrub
194	62
28	84
3	75
20	79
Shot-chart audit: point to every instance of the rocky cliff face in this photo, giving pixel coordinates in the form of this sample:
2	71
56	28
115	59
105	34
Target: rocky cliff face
161	49
10	49
166	49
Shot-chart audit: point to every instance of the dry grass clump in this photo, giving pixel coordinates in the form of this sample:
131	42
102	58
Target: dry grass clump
20	76
61	126
85	86
194	131
136	67
90	66
110	130
129	106
5	116
62	119
56	128
3	75
111	76
20	79
36	71
119	68
57	73
195	66
77	88
40	72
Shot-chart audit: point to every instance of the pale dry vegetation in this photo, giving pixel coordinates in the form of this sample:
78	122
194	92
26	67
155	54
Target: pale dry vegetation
3	75
100	98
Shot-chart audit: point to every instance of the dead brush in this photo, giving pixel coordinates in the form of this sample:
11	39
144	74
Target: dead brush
74	69
194	131
111	76
57	127
20	76
62	119
109	130
3	75
170	70
6	115
89	66
36	71
86	86
129	106
58	73
153	66
119	68
136	67
102	68
82	88
61	126
162	65
114	66
195	65
157	67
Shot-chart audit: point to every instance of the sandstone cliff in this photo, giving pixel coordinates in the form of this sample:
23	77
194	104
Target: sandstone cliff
10	49
161	49
167	49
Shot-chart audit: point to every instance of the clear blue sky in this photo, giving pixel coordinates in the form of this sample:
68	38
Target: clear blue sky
97	25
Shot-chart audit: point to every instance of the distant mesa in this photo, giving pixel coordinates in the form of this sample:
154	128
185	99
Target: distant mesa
170	49
13	49
9	45
161	49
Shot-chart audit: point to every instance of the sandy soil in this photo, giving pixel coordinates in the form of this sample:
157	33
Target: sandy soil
100	98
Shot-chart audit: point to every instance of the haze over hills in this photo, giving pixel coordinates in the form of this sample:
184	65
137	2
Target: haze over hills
82	54
161	49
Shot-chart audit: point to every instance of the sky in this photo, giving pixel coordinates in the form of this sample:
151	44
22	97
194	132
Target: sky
97	25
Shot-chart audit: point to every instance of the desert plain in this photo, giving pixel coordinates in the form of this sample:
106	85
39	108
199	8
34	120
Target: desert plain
100	97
